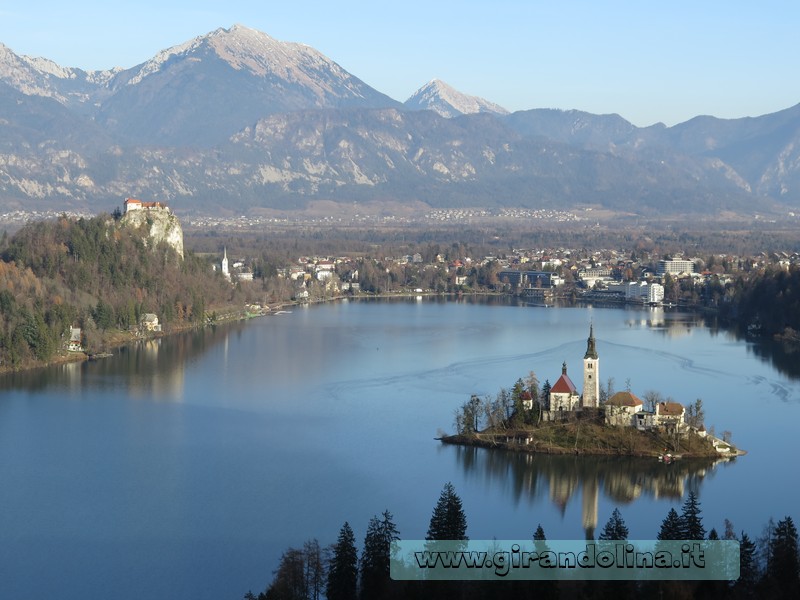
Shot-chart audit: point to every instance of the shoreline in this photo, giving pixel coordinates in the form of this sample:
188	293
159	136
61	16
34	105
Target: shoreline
117	339
597	440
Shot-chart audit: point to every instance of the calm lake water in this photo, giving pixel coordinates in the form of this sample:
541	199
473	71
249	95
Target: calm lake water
182	468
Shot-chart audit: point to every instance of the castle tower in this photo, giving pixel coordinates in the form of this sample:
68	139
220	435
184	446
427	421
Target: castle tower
225	271
591	374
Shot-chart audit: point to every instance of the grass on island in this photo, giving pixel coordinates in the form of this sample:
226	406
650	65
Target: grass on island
588	437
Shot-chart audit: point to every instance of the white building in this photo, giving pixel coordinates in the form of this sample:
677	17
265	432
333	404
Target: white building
639	291
225	270
75	344
564	395
655	293
621	409
591	374
150	322
675	267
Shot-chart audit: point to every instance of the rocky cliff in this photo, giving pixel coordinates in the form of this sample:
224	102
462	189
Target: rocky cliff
161	225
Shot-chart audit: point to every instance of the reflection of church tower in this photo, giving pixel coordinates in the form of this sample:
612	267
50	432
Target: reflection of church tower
591	374
225	271
589	512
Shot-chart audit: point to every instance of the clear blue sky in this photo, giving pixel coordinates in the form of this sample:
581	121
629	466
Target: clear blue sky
647	61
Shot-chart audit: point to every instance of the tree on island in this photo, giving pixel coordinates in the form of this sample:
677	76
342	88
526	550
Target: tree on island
343	567
651	400
448	521
615	529
545	396
695	415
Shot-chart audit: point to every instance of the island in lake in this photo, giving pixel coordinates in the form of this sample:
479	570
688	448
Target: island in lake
559	420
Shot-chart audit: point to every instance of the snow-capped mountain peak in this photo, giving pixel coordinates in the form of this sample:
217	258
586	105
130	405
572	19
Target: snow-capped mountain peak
437	96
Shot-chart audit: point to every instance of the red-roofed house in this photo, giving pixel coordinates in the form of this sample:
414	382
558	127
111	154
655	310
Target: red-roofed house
669	413
564	395
621	409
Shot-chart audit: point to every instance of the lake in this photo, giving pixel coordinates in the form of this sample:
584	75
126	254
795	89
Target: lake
184	467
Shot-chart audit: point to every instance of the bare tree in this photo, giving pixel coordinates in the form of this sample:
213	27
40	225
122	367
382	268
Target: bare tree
651	400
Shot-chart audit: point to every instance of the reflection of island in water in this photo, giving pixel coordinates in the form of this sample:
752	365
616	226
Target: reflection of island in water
561	477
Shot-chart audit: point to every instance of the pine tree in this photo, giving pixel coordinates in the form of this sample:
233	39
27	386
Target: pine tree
448	521
343	567
784	568
538	535
748	565
545	395
615	529
691	521
671	527
381	533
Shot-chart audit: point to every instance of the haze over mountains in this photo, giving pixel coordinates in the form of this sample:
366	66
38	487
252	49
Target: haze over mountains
236	120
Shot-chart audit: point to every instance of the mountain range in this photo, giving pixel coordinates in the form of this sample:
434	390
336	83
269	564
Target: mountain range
235	120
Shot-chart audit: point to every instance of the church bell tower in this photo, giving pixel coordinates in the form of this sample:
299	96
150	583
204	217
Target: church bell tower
591	374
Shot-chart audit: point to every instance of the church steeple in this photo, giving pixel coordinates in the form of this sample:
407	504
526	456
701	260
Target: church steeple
225	271
591	373
591	351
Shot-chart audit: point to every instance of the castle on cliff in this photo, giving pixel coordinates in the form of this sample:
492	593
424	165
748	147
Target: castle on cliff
162	224
134	204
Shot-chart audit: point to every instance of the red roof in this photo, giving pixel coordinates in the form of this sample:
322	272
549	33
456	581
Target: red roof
670	409
564	385
624	399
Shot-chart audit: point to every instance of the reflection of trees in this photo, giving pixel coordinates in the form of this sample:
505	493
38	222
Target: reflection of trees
783	356
149	366
621	479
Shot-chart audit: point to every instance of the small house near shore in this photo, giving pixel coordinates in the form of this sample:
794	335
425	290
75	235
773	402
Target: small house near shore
150	323
75	344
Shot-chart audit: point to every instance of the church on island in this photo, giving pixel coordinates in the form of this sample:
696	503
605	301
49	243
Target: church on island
564	402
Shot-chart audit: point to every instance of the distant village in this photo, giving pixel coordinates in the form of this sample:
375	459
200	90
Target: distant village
539	274
602	276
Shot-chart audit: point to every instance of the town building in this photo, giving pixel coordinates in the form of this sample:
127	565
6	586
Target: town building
674	267
646	292
534	279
